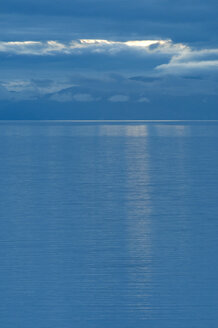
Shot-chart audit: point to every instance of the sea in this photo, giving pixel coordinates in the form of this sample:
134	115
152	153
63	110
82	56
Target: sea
108	224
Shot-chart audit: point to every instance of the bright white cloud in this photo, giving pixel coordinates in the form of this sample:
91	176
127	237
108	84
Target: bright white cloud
92	45
190	61
33	47
188	67
165	47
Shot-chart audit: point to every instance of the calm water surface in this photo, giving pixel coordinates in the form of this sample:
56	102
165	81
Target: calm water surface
108	225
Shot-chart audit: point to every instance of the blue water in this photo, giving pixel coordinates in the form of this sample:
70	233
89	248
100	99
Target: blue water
108	225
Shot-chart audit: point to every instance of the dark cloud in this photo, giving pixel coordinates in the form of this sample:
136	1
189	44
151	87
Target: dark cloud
160	10
184	21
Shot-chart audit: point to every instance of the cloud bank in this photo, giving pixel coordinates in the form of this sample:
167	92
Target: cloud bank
88	72
51	47
181	58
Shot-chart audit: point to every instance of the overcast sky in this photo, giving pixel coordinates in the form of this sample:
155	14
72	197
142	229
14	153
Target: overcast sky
79	52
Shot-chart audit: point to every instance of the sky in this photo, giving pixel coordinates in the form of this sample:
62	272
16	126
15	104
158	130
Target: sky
101	59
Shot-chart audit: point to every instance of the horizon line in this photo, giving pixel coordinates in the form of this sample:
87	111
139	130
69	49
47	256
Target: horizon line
105	121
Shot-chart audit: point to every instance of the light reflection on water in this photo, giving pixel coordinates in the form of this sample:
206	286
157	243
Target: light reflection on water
108	225
138	221
56	128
